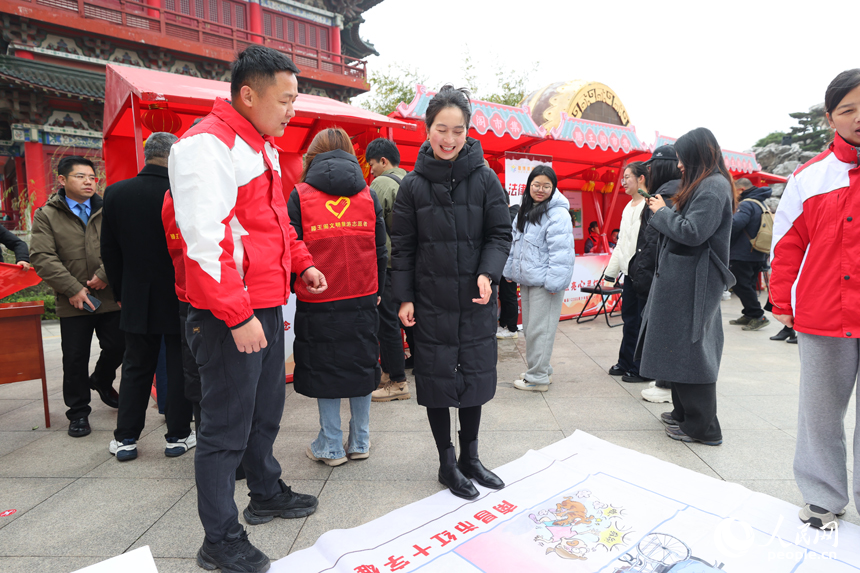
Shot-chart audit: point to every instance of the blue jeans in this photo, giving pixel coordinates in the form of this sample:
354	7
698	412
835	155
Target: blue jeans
329	443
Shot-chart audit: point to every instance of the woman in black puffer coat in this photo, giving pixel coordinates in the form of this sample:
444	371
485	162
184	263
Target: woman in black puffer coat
450	240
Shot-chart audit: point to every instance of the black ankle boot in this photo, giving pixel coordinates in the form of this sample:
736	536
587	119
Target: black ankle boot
472	467
451	477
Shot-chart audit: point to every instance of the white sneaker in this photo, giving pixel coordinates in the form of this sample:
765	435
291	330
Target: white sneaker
505	333
523	377
652	384
124	450
657	395
523	385
175	447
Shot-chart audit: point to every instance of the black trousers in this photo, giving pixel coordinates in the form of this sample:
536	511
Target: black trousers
390	340
631	313
138	368
695	407
240	415
76	333
189	366
746	274
509	309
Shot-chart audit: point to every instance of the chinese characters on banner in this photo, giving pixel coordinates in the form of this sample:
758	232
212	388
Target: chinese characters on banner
517	169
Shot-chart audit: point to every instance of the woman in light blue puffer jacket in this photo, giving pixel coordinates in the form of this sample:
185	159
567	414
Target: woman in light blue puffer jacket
541	261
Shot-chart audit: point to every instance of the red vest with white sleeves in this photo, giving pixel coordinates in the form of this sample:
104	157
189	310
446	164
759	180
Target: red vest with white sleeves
340	233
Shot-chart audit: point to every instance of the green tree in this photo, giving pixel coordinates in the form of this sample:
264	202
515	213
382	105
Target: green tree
812	132
390	86
772	137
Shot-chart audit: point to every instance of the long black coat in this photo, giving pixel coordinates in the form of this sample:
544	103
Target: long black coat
681	338
451	224
336	349
135	255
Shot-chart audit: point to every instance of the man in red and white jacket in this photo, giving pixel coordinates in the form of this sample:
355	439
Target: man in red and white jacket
238	250
815	287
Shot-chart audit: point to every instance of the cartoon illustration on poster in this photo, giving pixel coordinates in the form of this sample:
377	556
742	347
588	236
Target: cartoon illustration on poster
663	553
579	524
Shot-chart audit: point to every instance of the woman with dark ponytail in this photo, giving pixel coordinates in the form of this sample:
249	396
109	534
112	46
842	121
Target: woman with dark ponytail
541	261
450	239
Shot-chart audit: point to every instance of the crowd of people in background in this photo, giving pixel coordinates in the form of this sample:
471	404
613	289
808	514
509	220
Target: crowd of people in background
200	250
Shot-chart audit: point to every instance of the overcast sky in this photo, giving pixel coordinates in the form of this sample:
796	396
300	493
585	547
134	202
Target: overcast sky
738	68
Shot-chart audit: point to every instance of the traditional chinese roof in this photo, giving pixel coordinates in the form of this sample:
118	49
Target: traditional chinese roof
736	161
53	79
486	116
595	134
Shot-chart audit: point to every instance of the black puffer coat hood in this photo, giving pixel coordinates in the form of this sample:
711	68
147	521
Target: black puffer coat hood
451	224
336	173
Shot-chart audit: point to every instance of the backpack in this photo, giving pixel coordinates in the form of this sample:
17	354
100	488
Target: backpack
764	237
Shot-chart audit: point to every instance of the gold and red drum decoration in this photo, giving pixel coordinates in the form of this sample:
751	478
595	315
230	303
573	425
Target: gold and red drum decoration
161	119
579	99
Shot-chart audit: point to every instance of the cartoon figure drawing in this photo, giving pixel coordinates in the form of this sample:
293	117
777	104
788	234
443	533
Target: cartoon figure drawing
662	553
574	528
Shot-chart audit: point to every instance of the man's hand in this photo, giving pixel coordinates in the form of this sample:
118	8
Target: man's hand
407	313
79	300
656	203
786	319
96	283
314	280
249	337
24	265
485	289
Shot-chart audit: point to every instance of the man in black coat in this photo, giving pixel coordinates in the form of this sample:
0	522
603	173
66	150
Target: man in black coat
138	265
745	262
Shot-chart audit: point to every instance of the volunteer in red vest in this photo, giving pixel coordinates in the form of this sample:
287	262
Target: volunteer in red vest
815	289
336	349
239	250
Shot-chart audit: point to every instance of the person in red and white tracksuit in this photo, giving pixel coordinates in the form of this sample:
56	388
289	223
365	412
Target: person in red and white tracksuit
238	251
815	288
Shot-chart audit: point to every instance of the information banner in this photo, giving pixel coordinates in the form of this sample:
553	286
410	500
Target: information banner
575	200
587	272
289	336
517	169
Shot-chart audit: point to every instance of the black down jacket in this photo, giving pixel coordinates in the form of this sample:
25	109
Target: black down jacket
336	349
451	224
642	265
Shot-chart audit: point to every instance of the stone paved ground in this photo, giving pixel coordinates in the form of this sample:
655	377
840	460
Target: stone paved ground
76	505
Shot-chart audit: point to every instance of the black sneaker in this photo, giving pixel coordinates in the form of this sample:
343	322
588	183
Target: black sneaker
286	504
233	554
617	371
633	377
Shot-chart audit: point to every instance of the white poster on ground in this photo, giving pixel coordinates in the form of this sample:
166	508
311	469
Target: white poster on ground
585	505
518	166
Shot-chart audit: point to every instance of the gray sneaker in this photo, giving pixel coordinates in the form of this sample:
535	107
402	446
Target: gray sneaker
743	320
757	324
819	517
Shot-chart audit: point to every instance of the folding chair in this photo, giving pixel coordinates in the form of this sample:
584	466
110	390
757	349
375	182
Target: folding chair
604	294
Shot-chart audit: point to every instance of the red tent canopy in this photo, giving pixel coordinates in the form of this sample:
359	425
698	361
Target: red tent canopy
586	155
129	91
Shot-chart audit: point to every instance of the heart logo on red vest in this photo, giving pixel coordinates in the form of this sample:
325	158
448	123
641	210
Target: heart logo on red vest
332	206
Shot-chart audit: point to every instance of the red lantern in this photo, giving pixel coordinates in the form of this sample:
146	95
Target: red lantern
161	120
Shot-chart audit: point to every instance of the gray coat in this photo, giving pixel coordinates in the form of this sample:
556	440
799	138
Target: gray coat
681	339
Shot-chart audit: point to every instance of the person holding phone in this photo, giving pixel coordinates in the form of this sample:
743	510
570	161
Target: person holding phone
681	338
631	312
450	241
66	252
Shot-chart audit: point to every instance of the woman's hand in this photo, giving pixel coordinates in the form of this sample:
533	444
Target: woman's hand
656	203
407	313
786	319
485	289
